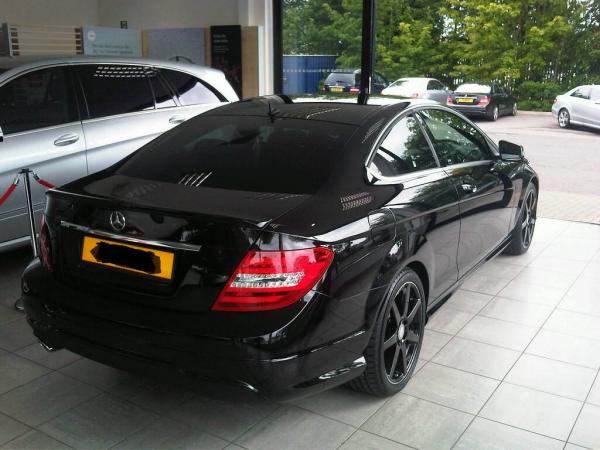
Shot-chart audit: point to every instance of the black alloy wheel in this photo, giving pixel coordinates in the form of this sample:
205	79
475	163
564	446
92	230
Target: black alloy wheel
522	234
395	344
529	218
402	333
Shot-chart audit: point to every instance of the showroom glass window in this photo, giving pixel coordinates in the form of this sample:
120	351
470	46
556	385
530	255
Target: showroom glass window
321	47
189	89
403	150
38	99
115	89
455	140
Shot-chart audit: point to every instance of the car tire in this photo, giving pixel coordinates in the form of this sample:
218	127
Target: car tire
494	113
564	118
514	109
395	344
522	234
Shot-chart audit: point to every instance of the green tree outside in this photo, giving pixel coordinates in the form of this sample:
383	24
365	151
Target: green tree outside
536	49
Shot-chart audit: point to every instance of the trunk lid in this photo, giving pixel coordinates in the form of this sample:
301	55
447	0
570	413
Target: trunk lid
207	230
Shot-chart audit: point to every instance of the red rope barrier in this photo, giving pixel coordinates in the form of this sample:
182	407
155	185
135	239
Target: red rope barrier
43	182
10	190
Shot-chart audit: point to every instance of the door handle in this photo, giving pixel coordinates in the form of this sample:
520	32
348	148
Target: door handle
66	139
468	187
177	119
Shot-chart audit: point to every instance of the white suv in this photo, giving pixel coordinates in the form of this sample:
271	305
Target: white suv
66	118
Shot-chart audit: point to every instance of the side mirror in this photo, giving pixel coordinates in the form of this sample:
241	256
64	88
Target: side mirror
1	135
510	151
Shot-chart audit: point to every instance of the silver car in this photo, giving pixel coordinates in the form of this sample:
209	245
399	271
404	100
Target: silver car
579	106
415	87
69	117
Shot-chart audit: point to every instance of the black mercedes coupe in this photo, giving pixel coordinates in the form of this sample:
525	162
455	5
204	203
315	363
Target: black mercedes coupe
284	247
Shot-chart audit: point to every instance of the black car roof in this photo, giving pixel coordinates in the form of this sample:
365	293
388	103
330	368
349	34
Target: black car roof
337	112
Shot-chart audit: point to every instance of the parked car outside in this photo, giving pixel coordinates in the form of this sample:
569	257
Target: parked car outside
482	100
579	106
284	247
349	81
69	117
428	88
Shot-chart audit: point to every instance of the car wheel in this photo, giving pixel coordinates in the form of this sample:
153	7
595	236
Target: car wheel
523	232
394	347
514	109
494	113
564	118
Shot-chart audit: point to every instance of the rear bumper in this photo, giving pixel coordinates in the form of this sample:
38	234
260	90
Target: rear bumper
478	111
172	356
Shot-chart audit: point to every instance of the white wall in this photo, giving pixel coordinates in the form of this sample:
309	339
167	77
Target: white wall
49	12
142	14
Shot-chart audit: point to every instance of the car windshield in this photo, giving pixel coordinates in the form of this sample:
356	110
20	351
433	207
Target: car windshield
247	153
474	88
343	78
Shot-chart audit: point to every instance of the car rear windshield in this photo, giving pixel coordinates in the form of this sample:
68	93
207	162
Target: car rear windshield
473	88
248	153
349	79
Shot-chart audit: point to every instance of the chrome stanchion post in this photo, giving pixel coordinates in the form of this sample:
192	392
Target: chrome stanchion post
34	246
19	306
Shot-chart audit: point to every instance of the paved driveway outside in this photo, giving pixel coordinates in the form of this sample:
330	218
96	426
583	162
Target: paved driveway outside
568	162
510	361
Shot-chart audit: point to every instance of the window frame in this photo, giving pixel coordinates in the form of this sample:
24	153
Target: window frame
492	151
375	179
220	97
382	137
71	80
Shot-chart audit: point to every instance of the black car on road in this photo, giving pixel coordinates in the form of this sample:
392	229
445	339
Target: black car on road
349	81
482	100
285	247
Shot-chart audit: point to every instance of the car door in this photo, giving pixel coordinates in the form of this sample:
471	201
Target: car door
484	191
581	104
595	107
42	131
425	207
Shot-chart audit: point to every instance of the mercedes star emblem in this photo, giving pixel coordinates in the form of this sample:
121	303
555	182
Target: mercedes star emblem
117	220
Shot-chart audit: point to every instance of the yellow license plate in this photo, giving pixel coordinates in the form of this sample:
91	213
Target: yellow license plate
133	258
336	89
464	100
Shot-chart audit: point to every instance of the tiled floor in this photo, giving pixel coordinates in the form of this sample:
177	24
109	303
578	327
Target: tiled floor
510	361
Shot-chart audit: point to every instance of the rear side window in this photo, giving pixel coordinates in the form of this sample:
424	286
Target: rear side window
582	92
38	99
403	150
116	89
162	94
455	140
247	153
189	89
435	85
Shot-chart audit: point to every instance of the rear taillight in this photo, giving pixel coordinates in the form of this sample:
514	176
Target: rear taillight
484	100
449	100
267	280
45	246
354	89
